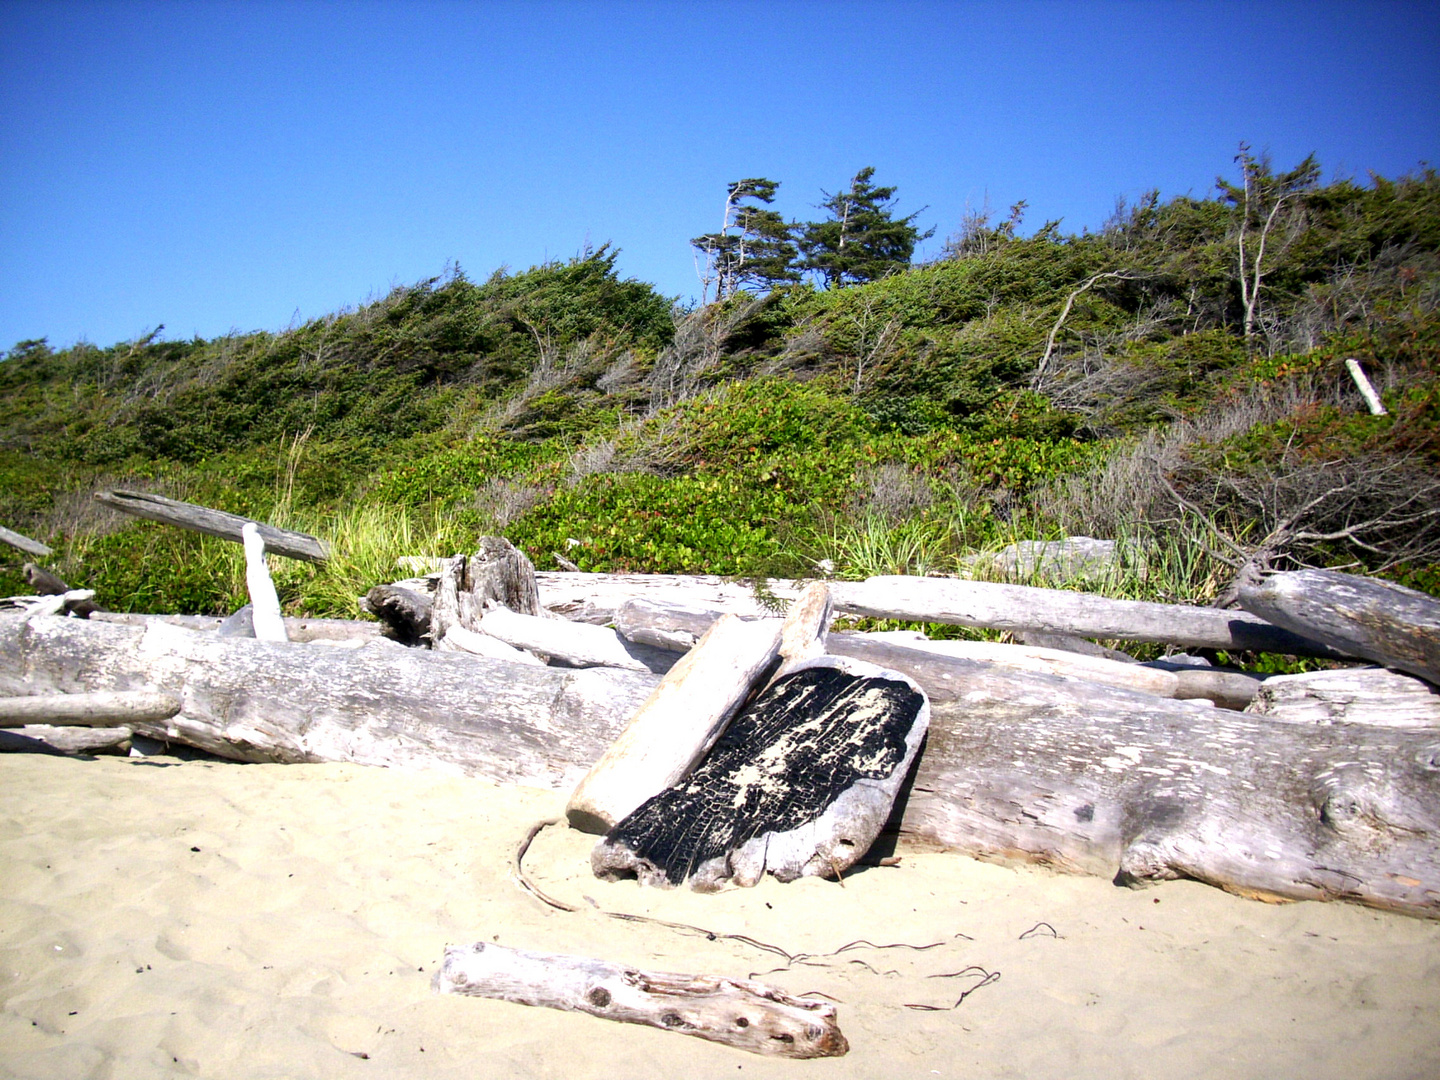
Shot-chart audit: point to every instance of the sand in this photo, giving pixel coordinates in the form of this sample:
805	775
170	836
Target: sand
160	918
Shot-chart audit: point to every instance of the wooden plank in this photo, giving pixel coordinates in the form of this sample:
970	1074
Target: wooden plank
799	785
218	523
1358	616
740	1013
679	722
24	543
1022	607
87	710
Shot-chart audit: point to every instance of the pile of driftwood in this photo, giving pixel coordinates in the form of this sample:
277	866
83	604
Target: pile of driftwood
1315	786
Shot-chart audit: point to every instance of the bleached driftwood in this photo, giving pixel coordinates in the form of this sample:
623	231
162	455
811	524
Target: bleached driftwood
24	543
87	710
800	784
1358	616
1350	696
806	627
73	602
596	598
251	700
265	615
202	519
50	739
737	1012
679	722
1366	388
458	639
1226	688
1023	607
580	644
296	630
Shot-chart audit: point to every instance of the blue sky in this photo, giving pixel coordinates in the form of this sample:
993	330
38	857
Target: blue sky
219	166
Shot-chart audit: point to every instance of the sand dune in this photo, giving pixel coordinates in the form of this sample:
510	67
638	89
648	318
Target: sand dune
160	918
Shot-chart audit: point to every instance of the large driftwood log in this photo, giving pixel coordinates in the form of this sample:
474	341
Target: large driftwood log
678	723
1351	696
87	710
24	543
1358	616
799	785
737	1012
50	739
1022	607
202	519
251	700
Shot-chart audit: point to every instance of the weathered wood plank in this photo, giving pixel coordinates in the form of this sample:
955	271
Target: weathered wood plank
218	523
736	1012
1358	616
87	710
1023	607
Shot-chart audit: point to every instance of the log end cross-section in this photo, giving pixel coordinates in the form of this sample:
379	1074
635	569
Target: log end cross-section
800	784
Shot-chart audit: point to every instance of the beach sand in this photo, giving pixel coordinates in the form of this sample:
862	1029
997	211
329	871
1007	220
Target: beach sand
160	918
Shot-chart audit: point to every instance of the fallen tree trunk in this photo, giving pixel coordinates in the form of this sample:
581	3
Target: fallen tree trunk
87	710
202	519
1358	616
1023	607
49	739
1351	696
251	700
1018	766
737	1012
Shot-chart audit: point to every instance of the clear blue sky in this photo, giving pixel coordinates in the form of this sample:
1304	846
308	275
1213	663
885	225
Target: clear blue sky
218	166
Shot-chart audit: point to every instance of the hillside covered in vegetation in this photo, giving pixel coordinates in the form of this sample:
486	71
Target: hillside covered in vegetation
1175	381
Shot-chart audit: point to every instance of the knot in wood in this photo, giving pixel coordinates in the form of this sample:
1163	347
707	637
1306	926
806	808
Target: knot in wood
598	996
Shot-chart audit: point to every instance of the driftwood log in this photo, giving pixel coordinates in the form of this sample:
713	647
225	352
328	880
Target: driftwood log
1375	696
1358	616
356	631
1022	607
578	644
24	543
678	723
587	597
87	710
52	739
799	785
218	523
737	1012
1018	766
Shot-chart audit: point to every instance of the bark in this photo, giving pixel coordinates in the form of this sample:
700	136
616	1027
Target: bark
48	739
1022	607
251	700
24	543
737	1012
799	785
87	710
1357	616
679	722
1351	696
218	523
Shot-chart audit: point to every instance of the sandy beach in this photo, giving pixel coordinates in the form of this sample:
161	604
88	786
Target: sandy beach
166	918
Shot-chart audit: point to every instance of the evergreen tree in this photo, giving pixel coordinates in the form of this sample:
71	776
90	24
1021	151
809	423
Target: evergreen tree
862	240
753	247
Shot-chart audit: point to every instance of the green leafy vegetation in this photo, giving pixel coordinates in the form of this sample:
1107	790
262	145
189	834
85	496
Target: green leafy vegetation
844	410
